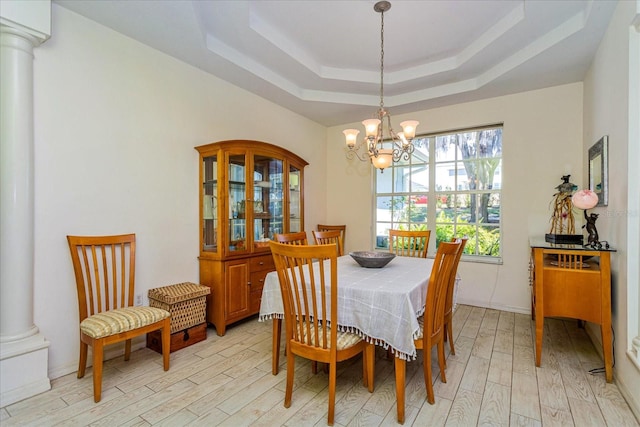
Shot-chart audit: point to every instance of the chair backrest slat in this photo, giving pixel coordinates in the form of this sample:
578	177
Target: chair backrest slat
104	268
298	238
411	243
341	227
329	237
443	267
308	284
452	279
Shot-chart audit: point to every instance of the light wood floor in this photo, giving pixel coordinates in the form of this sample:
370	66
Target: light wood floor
492	381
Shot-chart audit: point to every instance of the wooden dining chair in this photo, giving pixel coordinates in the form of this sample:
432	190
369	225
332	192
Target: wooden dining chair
298	238
341	228
104	268
432	322
329	237
448	307
308	278
413	243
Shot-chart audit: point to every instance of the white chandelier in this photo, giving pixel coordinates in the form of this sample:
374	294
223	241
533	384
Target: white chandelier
371	147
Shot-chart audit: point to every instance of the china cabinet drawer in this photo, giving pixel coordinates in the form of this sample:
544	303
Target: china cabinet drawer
262	263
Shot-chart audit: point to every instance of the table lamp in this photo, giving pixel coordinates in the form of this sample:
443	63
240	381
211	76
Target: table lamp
587	199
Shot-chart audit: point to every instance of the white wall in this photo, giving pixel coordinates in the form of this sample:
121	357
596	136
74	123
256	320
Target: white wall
115	127
542	138
606	112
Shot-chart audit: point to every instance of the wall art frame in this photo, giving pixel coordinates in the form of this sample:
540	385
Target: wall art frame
599	170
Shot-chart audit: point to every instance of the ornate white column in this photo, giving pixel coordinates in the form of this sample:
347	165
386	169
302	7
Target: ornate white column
23	350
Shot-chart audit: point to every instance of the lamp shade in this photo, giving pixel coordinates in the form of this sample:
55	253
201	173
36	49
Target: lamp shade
584	199
371	126
409	128
351	136
383	159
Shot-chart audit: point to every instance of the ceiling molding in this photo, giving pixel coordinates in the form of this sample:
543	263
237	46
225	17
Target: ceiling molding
290	52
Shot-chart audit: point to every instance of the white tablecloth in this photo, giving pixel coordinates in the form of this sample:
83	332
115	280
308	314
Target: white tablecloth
380	304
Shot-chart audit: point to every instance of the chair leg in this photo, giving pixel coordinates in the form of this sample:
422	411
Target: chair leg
166	343
332	392
400	370
365	378
426	359
369	358
127	350
449	334
98	350
275	356
442	361
291	363
82	365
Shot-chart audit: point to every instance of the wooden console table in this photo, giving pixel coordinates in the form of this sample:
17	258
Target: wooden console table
572	281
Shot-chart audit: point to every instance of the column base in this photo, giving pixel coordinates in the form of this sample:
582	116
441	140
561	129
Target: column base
23	369
634	353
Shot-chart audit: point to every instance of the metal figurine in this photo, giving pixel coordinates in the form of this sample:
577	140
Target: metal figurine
562	221
592	240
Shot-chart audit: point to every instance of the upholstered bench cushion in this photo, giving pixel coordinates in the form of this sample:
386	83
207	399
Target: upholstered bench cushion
121	320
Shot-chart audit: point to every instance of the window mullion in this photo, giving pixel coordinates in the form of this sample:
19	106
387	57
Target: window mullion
431	199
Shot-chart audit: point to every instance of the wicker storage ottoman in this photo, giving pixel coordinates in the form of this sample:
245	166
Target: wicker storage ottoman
187	304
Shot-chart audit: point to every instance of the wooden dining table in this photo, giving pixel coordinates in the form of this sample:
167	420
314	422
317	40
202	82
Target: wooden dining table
382	305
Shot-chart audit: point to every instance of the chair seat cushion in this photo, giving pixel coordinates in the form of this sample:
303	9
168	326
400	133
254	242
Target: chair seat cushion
344	339
421	323
113	322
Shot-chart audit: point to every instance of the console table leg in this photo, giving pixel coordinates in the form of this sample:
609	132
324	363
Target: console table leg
607	350
539	329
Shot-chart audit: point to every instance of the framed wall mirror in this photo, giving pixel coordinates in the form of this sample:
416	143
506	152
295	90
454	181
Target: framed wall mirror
599	171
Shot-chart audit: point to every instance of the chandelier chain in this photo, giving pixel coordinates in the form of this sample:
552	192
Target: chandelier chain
372	146
382	60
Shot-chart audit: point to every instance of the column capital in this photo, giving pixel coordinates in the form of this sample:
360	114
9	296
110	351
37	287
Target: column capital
14	38
28	19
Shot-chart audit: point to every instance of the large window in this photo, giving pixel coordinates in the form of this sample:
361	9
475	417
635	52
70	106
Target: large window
451	185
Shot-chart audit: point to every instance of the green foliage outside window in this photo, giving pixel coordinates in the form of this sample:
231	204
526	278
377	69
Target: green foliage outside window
453	184
487	241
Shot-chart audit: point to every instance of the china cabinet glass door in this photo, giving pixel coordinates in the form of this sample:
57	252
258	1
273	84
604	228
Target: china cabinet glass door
209	204
295	204
267	200
237	203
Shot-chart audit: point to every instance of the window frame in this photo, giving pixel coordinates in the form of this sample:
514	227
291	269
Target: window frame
433	193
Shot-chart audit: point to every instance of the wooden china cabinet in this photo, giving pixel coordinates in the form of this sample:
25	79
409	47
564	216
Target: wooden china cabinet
249	191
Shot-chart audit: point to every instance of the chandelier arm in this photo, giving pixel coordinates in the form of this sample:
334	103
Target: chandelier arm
397	154
352	154
372	147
